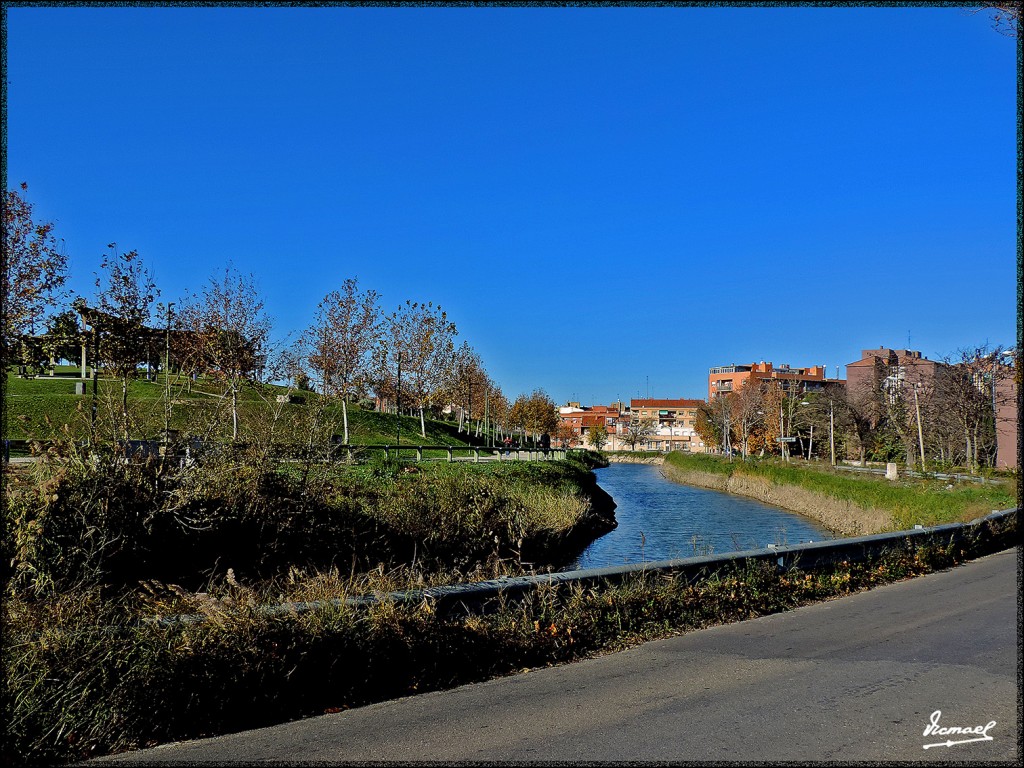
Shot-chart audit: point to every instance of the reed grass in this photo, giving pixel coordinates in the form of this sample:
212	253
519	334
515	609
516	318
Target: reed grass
89	675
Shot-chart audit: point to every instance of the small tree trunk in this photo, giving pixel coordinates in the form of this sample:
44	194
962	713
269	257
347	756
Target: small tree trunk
124	405
344	417
234	412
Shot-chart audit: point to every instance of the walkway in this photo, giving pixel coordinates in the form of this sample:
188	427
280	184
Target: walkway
853	679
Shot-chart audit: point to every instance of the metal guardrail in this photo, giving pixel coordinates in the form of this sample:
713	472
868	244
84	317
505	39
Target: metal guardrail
959	477
479	597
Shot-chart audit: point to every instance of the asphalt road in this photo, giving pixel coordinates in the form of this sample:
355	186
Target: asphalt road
856	679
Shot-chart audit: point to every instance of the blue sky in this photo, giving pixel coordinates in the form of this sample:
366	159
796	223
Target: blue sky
606	201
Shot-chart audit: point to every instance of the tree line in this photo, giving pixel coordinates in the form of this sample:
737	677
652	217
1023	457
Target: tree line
934	422
409	360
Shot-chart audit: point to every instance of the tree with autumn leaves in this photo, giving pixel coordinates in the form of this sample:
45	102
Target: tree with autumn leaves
534	413
35	270
125	292
227	334
342	340
416	355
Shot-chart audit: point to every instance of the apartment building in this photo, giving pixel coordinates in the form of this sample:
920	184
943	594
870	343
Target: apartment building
731	378
891	369
581	418
673	420
1007	423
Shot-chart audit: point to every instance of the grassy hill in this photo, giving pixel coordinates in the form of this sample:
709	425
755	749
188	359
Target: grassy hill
45	408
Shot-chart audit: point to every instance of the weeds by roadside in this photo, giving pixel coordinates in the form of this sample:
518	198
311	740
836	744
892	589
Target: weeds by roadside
90	675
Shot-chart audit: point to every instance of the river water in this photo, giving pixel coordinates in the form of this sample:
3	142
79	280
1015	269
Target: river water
662	520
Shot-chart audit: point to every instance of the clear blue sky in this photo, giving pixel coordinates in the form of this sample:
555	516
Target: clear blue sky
607	201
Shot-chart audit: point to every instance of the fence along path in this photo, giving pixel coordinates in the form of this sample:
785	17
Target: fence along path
337	451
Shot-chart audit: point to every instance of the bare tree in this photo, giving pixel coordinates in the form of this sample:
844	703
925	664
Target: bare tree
637	431
125	293
342	340
228	334
966	388
419	344
747	412
467	387
1005	17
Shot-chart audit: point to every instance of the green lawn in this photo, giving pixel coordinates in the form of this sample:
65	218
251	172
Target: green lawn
39	408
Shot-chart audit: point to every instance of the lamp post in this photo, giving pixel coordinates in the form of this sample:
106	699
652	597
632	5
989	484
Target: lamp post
832	431
398	402
782	434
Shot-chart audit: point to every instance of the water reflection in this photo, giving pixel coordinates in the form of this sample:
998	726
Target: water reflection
662	520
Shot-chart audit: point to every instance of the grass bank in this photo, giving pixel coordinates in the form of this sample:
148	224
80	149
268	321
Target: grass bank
89	675
848	504
47	408
96	519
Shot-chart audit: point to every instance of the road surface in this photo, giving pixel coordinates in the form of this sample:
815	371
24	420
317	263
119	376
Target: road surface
855	679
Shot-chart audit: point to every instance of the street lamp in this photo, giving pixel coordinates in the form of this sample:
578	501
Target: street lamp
831	431
398	402
782	434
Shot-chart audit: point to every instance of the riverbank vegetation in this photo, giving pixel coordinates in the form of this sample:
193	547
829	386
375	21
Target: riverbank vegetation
92	537
865	500
90	675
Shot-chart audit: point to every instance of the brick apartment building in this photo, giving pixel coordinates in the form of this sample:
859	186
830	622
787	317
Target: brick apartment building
581	418
1007	424
730	378
895	369
891	369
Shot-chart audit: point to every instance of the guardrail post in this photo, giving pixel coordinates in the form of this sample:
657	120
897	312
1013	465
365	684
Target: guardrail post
385	451
419	453
449	454
476	455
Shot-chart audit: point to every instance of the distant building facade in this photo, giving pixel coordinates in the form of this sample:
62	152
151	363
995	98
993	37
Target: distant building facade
673	421
1007	420
890	369
581	419
725	379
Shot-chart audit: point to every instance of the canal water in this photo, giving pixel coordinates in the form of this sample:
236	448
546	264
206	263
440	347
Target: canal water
662	520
